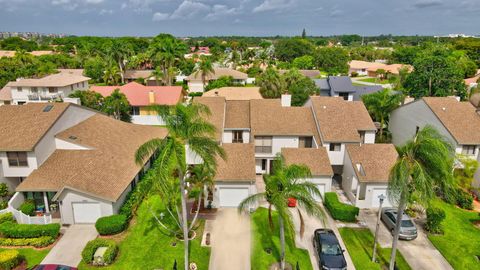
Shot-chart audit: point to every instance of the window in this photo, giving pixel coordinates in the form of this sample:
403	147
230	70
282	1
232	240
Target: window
344	95
52	89
263	144
468	150
19	89
71	87
135	110
83	84
237	136
17	159
34	89
264	164
335	147
305	142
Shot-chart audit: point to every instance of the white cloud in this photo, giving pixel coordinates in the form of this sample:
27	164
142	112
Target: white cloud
93	1
189	9
105	12
219	11
158	16
269	5
142	5
60	2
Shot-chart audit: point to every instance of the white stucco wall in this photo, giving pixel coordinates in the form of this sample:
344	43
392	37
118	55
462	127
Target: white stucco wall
121	199
369	137
22	96
151	120
195	86
64	145
18	171
279	142
228	136
323	180
192	157
12	182
70	196
336	157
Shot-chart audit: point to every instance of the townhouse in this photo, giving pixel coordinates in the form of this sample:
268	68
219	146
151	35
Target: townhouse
195	82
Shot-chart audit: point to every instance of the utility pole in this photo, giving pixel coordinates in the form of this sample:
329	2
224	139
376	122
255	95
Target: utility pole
381	198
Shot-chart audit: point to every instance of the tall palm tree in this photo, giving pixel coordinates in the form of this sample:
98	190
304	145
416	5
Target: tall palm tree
111	75
119	51
287	181
271	83
201	178
186	127
166	51
159	76
424	168
204	68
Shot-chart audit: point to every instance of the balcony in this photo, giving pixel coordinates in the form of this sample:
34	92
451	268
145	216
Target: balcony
37	97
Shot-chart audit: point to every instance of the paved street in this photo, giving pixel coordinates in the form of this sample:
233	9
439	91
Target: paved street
68	250
419	253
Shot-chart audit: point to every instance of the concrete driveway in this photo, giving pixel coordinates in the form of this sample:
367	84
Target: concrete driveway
419	253
230	240
68	250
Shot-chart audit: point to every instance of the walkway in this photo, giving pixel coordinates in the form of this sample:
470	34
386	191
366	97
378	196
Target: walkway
230	240
68	250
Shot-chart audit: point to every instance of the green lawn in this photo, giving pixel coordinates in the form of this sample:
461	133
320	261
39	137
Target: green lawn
33	256
374	80
264	237
359	244
147	247
461	240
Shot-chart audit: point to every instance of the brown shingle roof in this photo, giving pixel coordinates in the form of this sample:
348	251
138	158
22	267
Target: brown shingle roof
217	110
104	171
22	127
459	118
375	159
340	120
55	80
237	114
218	72
239	164
6	93
316	159
136	74
235	93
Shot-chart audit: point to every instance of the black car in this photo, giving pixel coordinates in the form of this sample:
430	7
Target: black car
328	250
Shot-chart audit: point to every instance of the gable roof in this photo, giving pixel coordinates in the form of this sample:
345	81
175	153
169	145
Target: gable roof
372	162
309	73
137	73
316	159
356	64
60	79
340	84
365	90
235	93
138	94
217	113
218	72
6	93
239	164
23	126
106	170
340	120
237	114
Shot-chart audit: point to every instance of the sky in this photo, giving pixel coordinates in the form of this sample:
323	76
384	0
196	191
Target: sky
241	17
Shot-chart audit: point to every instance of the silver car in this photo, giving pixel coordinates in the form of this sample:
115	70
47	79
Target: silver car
408	231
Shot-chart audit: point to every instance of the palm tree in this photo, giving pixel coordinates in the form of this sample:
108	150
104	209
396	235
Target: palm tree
159	76
287	181
166	51
119	51
205	68
111	75
201	178
186	128
271	84
380	104
424	168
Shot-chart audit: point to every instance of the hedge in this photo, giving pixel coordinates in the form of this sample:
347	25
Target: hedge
92	246
435	216
27	207
13	230
111	224
464	199
338	210
6	217
135	197
38	242
9	259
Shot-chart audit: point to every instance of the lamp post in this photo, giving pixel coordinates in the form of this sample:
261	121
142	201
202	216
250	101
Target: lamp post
381	198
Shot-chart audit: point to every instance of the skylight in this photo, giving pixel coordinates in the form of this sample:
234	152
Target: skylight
48	108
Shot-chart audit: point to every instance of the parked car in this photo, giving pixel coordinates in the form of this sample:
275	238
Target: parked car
328	250
408	230
53	267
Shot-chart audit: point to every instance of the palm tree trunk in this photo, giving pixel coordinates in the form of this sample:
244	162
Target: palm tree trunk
184	217
401	207
121	71
199	200
282	243
381	128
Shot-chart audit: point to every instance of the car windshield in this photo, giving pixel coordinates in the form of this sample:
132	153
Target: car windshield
407	223
331	249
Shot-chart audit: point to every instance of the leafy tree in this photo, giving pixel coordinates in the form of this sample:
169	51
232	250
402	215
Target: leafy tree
186	126
333	60
466	65
222	81
271	83
89	99
118	52
254	71
287	181
186	66
111	75
405	54
205	69
166	51
94	68
118	106
301	91
291	48
424	167
304	34
159	76
303	62
16	43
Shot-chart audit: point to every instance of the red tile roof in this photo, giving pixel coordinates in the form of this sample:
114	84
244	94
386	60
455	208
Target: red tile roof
138	94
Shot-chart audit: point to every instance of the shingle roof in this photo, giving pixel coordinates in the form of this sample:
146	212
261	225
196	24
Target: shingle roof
74	71
23	126
316	159
235	93
217	110
355	64
237	114
239	164
218	72
55	80
136	74
340	120
104	171
340	84
459	118
364	90
322	84
372	162
6	93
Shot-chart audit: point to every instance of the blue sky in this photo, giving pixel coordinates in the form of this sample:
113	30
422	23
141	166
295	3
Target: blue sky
241	17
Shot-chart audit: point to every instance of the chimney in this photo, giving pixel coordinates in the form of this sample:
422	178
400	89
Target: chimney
151	97
286	100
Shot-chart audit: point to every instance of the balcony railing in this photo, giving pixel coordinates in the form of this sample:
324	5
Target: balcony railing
35	97
263	149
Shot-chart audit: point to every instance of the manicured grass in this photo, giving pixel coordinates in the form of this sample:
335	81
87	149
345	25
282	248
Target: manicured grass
461	239
359	244
264	237
146	246
374	80
33	256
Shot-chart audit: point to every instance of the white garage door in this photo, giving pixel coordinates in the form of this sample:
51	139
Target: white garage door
231	197
86	212
321	188
375	201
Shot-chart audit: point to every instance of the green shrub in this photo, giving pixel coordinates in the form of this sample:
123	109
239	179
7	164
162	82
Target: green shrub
135	197
13	230
92	246
6	217
9	259
464	199
38	242
338	210
3	190
195	94
111	224
3	204
27	207
435	216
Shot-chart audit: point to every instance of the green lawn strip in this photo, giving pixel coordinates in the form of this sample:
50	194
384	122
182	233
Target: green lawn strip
461	239
264	237
146	246
33	256
359	243
374	80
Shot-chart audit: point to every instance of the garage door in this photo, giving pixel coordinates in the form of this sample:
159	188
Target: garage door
376	193
231	197
321	188
86	212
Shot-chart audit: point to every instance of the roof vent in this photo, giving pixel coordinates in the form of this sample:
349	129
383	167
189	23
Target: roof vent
48	108
444	109
324	107
71	137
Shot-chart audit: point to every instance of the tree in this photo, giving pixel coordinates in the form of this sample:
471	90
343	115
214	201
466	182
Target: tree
222	81
159	76
304	34
303	62
204	68
118	106
287	181
301	91
290	48
380	104
111	75
89	99
201	179
424	167
333	60
166	51
271	83
405	55
118	52
94	68
186	127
